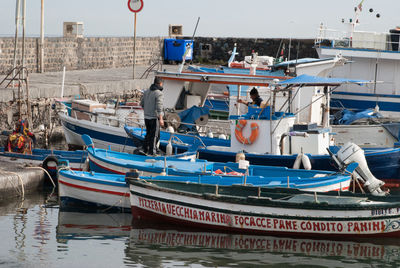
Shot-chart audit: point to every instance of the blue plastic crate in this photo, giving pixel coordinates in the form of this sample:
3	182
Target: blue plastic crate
174	49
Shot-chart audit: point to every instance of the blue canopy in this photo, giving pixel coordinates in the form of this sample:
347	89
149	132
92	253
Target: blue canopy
309	80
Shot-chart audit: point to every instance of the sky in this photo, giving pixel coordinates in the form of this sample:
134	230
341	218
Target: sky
218	18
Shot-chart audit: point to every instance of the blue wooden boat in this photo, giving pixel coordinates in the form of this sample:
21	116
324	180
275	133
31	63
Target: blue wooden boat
48	159
113	162
278	134
111	192
108	161
383	163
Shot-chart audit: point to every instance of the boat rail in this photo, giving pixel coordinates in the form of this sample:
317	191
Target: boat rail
358	40
94	117
114	121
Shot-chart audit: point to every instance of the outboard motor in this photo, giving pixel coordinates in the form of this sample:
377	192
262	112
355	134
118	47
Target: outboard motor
350	153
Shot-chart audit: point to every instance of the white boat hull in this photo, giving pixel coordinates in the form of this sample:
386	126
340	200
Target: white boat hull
148	202
102	195
103	136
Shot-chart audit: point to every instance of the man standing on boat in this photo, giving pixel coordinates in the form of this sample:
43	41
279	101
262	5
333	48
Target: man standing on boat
152	103
255	97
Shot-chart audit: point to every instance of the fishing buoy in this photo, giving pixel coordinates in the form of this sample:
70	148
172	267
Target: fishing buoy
240	156
170	129
210	134
222	136
168	149
297	162
305	160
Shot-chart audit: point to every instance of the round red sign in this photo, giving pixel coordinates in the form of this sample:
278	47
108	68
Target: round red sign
135	5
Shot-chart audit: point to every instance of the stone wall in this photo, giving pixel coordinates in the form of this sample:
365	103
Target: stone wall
217	49
80	53
117	52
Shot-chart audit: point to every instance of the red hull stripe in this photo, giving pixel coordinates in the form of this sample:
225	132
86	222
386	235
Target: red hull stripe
94	227
93	189
105	168
343	189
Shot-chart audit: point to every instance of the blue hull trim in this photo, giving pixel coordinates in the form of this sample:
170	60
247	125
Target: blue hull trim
384	165
121	140
357	104
41	154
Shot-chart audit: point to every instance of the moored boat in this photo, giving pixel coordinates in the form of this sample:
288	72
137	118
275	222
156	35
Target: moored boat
374	56
110	191
106	161
259	210
48	159
93	190
280	133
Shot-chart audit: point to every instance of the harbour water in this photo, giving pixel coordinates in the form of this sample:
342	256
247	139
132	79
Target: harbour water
35	233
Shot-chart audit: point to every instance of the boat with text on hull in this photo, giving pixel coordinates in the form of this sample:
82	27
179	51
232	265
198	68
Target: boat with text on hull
259	210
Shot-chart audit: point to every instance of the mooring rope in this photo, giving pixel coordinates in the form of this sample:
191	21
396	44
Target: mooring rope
116	203
22	193
48	174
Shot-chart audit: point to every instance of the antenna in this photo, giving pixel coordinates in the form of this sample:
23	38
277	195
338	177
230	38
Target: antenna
188	47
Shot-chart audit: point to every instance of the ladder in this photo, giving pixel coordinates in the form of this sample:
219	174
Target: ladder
20	74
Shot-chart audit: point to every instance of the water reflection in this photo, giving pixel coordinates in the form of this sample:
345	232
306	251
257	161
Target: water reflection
152	246
25	228
81	225
34	231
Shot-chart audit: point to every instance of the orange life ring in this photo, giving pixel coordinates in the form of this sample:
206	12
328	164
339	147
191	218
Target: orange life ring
239	135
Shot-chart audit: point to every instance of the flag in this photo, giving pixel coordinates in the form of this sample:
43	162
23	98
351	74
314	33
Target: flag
360	5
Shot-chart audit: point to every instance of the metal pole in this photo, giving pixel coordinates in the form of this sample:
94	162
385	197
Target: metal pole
28	103
237	100
23	37
62	83
17	13
134	47
42	37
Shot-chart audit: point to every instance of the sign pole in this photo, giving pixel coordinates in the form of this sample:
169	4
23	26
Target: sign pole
134	6
134	46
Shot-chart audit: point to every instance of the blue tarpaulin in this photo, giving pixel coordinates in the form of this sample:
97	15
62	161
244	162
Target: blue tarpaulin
347	117
189	116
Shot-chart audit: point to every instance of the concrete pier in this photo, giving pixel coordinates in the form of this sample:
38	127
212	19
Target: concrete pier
17	179
84	82
99	84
